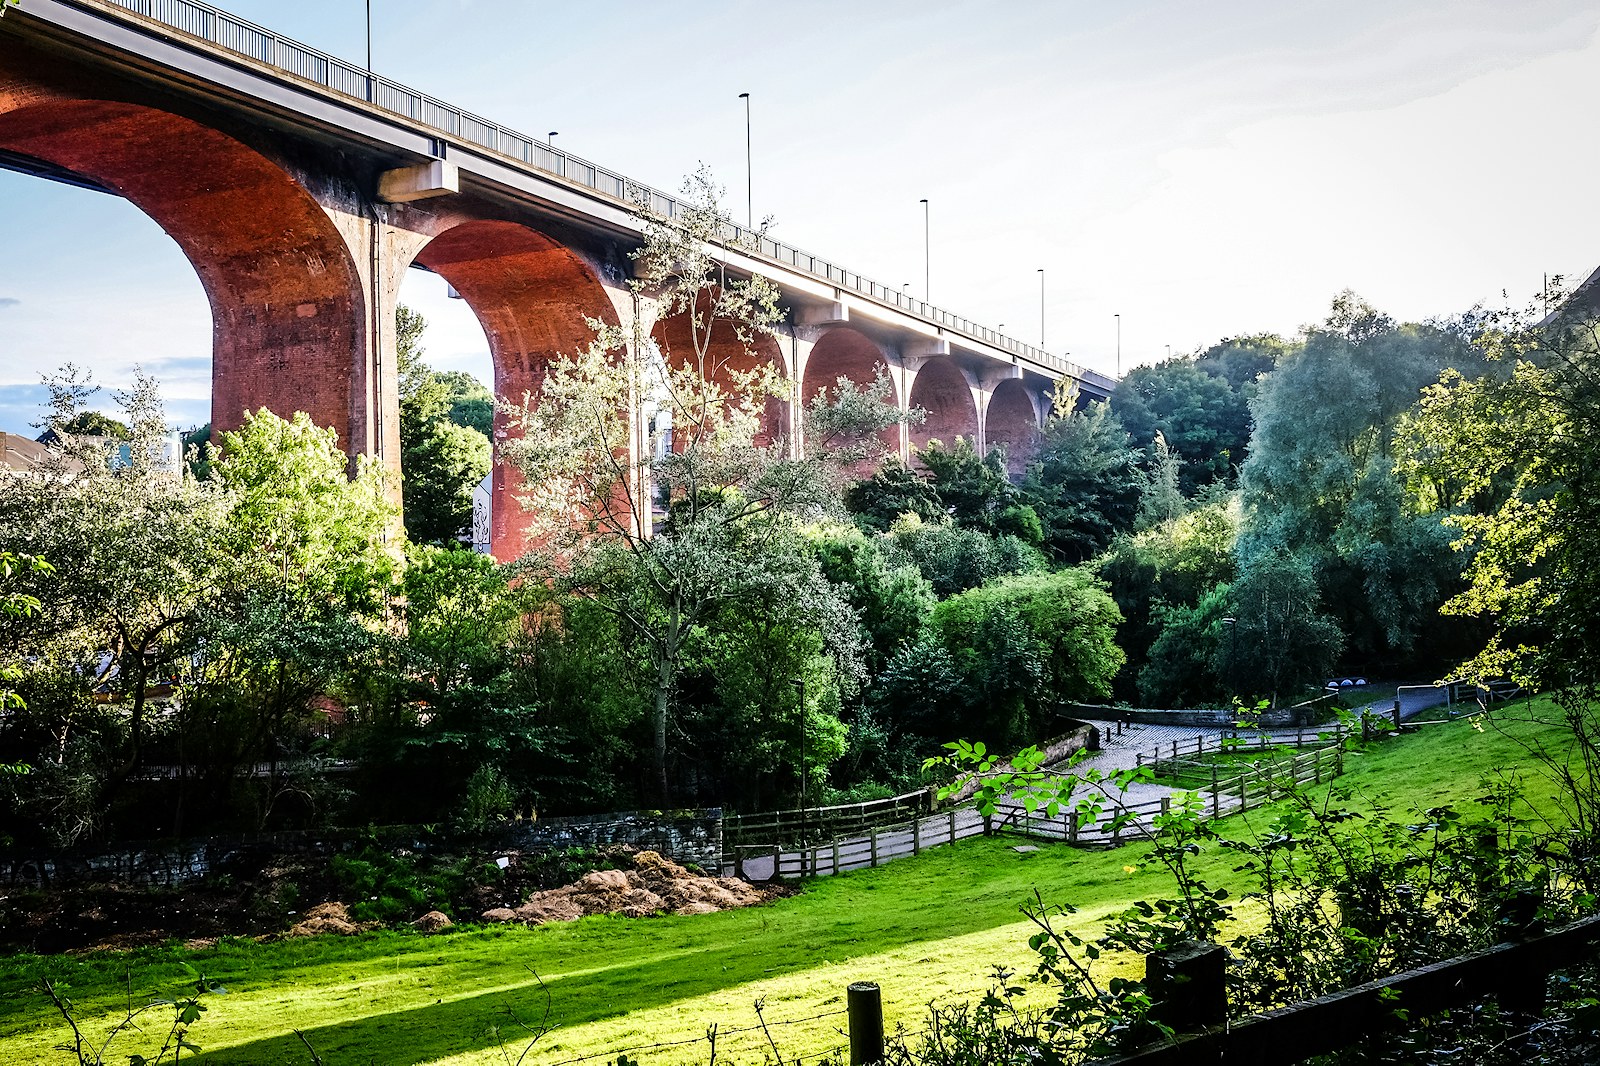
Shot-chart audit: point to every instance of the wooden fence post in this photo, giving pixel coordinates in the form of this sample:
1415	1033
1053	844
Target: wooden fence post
1397	714
1188	983
1522	990
864	1002
835	854
874	839
1216	797
916	836
1072	826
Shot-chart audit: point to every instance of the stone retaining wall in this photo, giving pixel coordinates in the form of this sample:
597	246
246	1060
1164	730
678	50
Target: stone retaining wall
683	836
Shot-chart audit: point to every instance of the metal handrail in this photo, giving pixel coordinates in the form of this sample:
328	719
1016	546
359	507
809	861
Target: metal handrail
215	26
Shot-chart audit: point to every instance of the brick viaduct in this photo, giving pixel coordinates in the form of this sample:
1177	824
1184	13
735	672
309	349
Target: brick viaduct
302	188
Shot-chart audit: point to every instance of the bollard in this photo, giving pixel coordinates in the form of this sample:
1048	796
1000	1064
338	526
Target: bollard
864	1002
1397	714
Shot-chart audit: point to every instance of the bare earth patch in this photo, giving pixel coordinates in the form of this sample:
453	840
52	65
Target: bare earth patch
655	885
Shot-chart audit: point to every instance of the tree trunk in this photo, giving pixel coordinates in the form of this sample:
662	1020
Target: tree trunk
663	691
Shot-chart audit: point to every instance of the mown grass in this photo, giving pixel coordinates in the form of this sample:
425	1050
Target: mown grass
924	928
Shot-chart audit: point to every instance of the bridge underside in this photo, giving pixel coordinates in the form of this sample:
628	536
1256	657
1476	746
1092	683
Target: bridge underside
301	263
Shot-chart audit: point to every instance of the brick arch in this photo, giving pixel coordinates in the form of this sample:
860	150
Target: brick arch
725	356
846	353
533	296
288	310
1013	421
941	390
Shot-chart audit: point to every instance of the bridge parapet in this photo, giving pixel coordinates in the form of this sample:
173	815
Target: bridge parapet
354	83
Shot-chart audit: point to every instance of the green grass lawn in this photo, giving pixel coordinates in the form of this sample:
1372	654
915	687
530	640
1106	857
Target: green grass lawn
924	928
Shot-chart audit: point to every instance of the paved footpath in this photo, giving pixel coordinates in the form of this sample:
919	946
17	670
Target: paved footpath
1118	751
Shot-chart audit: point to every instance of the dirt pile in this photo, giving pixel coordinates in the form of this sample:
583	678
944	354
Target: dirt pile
655	885
328	918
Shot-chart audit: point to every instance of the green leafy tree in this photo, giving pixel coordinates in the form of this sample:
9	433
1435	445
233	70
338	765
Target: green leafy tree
445	422
730	538
954	558
1199	415
1024	643
1170	566
1182	669
141	553
1321	481
1243	361
1281	641
894	489
1083	484
1513	453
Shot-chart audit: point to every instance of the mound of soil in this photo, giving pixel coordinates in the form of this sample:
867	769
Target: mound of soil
655	885
331	918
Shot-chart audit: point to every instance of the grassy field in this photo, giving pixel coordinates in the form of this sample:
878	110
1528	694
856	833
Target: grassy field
925	928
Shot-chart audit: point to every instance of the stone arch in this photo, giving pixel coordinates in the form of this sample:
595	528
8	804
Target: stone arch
941	389
533	296
842	352
725	356
1012	420
289	328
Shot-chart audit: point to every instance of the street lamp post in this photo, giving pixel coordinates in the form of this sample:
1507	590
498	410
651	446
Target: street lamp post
927	260
1119	344
749	180
1041	308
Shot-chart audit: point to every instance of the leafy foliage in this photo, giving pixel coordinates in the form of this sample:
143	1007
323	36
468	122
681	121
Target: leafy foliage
1083	484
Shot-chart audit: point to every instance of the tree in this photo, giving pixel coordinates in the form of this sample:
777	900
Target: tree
1024	643
140	550
1083	484
955	558
1243	361
1165	568
1281	639
1515	453
1182	670
729	539
1199	415
893	490
1321	481
445	452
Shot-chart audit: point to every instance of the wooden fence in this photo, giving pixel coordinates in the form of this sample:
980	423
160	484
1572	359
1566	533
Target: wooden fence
876	847
808	825
1515	972
1118	823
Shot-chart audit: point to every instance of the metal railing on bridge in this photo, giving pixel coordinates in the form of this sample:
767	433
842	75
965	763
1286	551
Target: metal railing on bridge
217	27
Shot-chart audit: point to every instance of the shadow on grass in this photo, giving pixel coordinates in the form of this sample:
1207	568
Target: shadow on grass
434	1031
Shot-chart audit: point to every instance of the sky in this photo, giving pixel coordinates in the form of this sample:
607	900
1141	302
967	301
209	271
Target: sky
1201	170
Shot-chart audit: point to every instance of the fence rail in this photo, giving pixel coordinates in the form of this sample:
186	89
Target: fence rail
800	822
1515	972
1117	824
262	45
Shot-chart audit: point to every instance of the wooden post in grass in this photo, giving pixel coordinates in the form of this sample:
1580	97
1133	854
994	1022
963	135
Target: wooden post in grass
1522	990
916	836
864	1003
1072	826
1188	983
835	854
874	839
1397	714
1216	794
